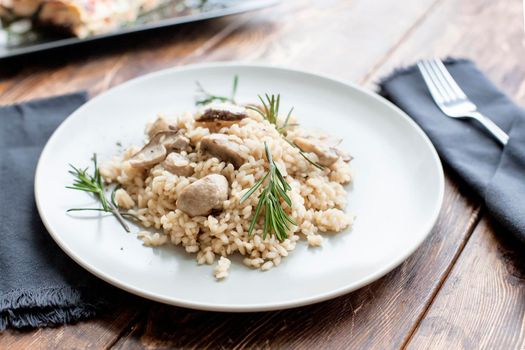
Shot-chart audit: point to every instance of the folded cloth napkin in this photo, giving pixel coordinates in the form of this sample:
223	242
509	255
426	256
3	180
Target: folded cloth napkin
39	284
495	173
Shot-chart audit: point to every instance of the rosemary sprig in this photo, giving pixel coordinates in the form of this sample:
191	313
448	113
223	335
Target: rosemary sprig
207	97
270	108
93	184
270	112
276	221
282	128
304	155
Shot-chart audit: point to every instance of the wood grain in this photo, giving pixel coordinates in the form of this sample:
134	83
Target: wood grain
481	305
397	317
323	36
478	307
345	39
101	71
98	72
358	40
111	63
378	316
93	334
489	32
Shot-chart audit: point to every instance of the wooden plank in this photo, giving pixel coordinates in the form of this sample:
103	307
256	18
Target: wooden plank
488	32
93	334
306	33
311	36
381	295
47	80
379	316
382	315
110	64
345	39
481	305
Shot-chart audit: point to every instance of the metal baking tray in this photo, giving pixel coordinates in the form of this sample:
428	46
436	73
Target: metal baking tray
21	38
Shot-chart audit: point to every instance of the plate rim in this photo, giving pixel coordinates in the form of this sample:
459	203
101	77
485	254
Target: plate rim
260	306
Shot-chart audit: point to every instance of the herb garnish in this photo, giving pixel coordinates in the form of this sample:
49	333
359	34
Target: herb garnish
303	154
276	221
93	184
207	97
270	112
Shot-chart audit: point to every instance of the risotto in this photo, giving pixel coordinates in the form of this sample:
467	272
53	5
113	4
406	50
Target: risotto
186	185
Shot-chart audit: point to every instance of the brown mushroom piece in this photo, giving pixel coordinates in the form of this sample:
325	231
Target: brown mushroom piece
172	140
221	115
343	155
161	125
204	195
333	144
223	147
177	164
157	148
327	155
148	156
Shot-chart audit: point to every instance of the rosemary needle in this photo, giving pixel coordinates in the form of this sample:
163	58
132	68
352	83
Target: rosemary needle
276	221
206	97
270	112
93	184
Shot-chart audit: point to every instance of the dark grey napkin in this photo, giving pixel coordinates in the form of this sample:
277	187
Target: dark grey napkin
39	284
495	173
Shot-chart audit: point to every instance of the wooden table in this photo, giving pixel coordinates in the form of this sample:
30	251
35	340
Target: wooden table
463	288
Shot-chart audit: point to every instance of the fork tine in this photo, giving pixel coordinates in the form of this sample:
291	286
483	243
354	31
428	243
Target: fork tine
449	79
443	80
440	81
434	90
437	81
452	101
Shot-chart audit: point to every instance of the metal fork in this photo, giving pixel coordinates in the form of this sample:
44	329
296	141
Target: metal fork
452	101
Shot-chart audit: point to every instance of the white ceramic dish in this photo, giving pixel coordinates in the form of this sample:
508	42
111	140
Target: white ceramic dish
396	195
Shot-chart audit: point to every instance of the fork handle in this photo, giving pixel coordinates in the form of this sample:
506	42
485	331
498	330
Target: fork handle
495	130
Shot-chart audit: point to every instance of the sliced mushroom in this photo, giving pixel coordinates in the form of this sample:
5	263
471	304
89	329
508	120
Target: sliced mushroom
148	156
333	144
343	155
223	147
161	125
157	148
217	116
204	195
177	164
326	155
172	140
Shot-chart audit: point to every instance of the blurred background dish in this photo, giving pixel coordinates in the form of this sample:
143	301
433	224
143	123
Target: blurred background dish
35	25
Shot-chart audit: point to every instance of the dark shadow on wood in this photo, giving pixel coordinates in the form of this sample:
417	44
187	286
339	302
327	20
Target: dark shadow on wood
511	250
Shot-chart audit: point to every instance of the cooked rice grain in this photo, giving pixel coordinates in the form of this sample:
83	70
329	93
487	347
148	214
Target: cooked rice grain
318	197
221	270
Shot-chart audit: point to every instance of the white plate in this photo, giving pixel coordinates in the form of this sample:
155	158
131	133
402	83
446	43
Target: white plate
396	195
